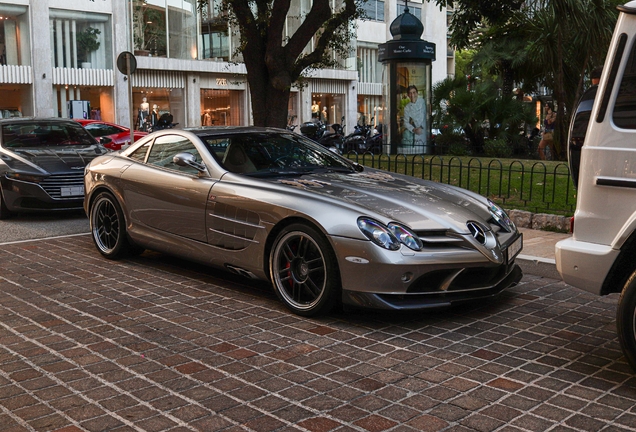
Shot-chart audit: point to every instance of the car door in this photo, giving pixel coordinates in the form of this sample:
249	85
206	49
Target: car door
167	197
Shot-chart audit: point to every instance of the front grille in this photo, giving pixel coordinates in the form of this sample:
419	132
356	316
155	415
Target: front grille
458	279
72	184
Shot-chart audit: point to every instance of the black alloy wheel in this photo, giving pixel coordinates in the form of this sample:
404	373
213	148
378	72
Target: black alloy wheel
304	270
108	228
626	320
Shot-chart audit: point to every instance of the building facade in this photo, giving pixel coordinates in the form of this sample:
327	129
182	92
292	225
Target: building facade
53	52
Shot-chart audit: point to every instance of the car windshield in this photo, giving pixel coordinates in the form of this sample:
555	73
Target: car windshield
270	154
44	134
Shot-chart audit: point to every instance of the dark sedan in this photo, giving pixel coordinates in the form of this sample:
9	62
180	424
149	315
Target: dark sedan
119	135
42	164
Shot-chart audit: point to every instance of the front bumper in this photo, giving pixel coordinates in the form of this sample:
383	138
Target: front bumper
401	280
23	196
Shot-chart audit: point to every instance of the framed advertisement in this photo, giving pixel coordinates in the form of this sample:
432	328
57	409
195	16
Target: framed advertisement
412	111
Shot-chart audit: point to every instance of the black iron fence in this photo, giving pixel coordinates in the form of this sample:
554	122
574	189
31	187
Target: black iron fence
536	186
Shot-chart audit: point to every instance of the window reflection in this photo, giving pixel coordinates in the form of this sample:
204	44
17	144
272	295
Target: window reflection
14	35
80	39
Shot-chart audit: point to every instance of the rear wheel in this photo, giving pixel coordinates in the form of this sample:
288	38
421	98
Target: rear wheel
108	228
626	320
304	270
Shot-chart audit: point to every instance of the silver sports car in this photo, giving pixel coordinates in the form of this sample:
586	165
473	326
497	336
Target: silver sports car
270	204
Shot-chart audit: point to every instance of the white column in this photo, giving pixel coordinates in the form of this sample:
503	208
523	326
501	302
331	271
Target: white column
73	45
63	109
41	59
55	93
67	44
59	42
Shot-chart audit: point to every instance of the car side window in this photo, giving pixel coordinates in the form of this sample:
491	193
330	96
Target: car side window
140	154
99	130
624	114
166	147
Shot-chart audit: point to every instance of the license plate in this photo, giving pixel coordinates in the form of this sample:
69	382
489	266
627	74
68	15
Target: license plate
515	248
72	191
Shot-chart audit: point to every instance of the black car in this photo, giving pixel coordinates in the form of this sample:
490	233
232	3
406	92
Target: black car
42	164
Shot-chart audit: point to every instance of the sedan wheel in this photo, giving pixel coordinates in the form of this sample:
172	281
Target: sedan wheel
304	271
626	320
108	228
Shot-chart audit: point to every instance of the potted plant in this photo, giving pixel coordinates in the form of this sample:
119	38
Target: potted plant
87	43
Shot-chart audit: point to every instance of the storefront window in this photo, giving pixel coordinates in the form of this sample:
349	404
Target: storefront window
149	27
292	109
152	103
222	107
81	39
214	39
165	29
14	35
182	23
370	110
328	108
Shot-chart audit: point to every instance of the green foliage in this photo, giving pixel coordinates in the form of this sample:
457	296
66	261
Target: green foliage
87	42
463	62
480	109
497	148
451	143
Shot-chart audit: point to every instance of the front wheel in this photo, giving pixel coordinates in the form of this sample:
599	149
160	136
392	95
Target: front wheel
4	211
304	270
108	228
626	320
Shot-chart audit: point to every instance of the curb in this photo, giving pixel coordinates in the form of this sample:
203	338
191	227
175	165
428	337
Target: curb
538	266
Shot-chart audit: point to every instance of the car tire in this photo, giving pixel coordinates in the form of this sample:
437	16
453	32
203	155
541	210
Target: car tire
4	211
626	320
304	270
108	228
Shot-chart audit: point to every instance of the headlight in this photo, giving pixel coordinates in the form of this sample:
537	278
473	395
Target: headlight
501	217
24	177
378	234
406	236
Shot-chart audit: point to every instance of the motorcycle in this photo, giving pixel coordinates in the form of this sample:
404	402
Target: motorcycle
164	122
364	139
318	132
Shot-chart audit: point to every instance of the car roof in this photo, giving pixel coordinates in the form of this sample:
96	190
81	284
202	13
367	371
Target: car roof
230	130
17	120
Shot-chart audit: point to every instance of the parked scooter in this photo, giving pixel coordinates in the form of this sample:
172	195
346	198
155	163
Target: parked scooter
164	122
319	132
364	139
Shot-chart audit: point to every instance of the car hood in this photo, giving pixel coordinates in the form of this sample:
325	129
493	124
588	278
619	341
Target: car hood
421	204
51	159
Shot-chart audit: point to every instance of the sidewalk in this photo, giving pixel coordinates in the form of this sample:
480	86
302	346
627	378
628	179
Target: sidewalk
537	256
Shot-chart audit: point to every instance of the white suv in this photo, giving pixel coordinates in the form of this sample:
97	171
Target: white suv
600	257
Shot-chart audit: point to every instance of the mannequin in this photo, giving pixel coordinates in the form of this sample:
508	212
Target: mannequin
144	111
207	118
144	107
154	115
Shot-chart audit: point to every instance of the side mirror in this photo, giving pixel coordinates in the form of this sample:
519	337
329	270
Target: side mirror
188	159
105	140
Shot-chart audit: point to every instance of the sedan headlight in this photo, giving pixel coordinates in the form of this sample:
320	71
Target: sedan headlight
378	233
406	236
24	177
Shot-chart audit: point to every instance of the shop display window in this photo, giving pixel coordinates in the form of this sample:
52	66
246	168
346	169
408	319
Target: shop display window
222	107
80	39
14	35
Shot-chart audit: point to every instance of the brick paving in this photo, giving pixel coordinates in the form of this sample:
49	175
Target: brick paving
158	344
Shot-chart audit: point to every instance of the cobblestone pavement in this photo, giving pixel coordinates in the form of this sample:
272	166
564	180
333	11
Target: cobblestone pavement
157	344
